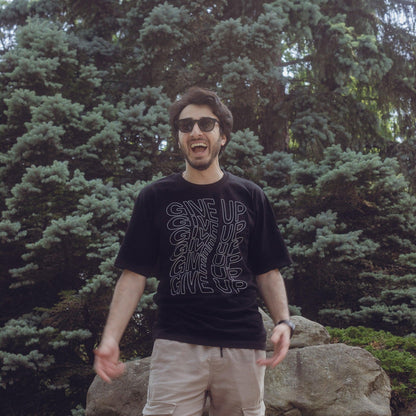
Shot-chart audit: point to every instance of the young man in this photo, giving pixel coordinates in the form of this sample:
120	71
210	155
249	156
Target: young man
212	241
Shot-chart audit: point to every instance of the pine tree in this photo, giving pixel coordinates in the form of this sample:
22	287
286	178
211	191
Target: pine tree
352	239
57	152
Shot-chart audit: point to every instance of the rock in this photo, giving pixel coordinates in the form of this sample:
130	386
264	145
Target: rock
125	396
306	333
328	380
315	379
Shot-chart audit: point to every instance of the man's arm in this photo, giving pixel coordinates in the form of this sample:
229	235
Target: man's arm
127	293
272	289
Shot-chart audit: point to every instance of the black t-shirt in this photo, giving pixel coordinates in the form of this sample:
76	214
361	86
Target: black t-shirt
205	244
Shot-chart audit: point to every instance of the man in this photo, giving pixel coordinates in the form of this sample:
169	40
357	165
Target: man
212	241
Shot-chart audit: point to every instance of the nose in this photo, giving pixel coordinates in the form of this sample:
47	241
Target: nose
196	131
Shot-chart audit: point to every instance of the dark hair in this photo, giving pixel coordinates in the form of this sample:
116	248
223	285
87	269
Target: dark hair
202	96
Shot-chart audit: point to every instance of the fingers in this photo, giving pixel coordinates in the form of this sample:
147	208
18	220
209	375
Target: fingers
281	343
106	367
273	361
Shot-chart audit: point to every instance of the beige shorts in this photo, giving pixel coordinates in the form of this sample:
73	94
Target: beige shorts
183	376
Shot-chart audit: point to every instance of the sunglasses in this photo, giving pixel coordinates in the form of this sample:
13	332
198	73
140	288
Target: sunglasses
205	124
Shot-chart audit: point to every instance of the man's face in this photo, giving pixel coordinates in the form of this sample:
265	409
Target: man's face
200	148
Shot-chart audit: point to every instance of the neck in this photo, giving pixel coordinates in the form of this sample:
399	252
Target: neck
203	177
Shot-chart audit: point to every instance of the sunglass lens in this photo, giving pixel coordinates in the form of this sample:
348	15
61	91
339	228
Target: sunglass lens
186	125
206	124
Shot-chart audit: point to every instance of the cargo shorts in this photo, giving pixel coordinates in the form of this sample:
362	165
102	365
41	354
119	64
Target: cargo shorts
184	376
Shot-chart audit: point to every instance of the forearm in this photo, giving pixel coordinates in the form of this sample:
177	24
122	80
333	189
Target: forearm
127	293
272	288
273	291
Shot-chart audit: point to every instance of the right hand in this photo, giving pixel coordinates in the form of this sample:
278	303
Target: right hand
106	362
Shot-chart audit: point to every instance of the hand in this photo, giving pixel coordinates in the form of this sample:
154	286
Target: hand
281	341
106	363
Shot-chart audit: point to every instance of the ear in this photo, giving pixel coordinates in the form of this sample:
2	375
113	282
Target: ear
223	140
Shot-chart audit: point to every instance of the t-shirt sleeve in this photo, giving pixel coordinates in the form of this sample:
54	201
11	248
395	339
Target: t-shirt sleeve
139	249
267	249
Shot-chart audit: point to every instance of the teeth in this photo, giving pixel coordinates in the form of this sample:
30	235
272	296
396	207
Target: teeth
193	145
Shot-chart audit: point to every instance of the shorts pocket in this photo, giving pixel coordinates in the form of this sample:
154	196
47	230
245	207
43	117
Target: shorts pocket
159	408
258	410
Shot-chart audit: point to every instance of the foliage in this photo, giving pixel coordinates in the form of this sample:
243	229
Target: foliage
243	155
348	211
397	357
323	96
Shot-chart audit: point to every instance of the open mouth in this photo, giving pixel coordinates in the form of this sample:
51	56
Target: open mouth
198	147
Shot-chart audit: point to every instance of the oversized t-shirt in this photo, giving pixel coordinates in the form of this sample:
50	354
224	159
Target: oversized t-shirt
205	244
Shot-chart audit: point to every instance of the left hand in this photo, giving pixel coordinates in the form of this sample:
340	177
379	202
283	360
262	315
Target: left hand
281	341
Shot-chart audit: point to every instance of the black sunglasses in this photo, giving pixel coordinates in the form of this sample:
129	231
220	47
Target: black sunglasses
205	124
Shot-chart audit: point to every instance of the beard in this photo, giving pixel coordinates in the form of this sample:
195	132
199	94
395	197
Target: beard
204	165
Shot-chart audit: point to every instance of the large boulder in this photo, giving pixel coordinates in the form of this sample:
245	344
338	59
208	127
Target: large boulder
315	379
125	396
328	380
307	332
